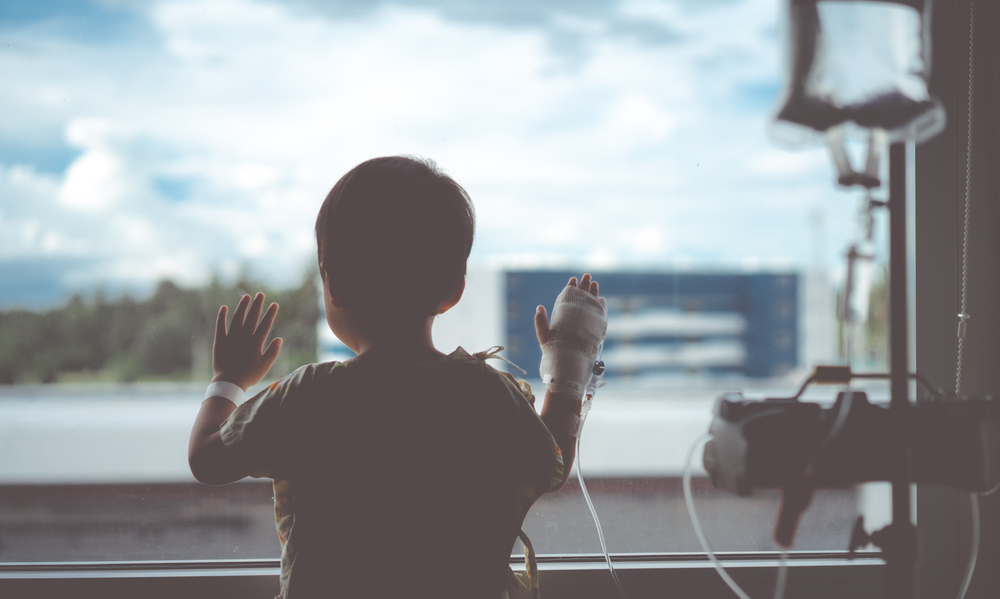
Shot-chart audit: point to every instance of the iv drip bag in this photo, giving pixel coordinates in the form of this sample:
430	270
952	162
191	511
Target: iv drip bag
858	61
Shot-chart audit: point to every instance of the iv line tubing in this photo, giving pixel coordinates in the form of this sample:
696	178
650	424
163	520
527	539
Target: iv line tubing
779	589
590	504
974	555
779	586
689	498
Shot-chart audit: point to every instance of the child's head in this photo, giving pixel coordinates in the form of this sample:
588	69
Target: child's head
393	236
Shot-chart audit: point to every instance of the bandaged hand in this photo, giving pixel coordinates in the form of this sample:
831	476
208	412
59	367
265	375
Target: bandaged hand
571	341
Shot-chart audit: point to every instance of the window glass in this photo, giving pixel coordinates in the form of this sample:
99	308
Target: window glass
160	159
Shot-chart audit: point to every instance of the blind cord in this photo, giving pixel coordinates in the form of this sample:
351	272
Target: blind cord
963	315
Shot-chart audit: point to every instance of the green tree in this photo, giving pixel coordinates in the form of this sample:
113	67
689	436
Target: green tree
166	336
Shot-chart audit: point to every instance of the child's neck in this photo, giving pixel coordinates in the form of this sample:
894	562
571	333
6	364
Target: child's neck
406	342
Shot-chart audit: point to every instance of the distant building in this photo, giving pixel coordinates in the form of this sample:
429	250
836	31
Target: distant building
664	323
660	323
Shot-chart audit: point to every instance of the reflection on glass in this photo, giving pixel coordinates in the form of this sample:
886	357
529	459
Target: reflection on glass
168	157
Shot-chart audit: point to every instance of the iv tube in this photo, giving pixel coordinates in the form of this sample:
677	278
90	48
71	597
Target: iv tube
779	589
974	498
593	512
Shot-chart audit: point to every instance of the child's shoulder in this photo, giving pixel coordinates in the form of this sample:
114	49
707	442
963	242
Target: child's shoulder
458	367
478	360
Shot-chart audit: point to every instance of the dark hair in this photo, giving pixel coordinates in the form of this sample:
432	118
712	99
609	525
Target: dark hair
393	237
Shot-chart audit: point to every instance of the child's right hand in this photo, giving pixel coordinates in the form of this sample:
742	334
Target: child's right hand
237	356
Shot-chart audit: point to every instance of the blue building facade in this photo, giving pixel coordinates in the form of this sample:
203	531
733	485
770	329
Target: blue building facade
665	322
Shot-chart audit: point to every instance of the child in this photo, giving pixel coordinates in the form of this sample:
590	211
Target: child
403	471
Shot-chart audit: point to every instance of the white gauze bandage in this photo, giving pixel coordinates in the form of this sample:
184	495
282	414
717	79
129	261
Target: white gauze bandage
579	321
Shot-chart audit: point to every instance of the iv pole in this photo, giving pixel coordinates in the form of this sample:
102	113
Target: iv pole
901	546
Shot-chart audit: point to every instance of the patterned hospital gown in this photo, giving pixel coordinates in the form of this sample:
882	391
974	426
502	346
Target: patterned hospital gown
395	478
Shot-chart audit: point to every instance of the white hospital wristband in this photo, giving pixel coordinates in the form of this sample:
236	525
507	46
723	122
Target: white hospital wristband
228	390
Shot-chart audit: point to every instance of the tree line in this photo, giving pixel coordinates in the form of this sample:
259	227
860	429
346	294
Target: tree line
165	337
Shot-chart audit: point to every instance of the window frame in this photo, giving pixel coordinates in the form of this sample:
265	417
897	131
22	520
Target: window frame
814	574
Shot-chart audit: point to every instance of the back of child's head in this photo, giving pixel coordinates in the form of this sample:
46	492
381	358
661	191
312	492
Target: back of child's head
394	235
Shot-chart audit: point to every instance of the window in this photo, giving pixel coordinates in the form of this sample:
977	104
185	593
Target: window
167	157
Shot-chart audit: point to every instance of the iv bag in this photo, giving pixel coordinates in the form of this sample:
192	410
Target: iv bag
858	64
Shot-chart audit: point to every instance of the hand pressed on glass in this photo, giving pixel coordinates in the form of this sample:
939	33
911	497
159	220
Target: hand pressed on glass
239	356
562	407
571	341
542	329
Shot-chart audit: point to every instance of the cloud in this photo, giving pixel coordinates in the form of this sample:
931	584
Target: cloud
210	140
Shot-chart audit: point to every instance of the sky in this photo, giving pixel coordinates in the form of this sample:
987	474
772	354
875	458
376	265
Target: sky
189	139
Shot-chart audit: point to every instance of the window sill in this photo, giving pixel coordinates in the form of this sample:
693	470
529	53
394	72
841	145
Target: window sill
579	576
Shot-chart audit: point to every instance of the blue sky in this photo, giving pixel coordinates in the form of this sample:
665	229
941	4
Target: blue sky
179	139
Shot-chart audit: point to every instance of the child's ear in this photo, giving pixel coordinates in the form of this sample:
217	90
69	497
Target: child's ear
333	298
453	299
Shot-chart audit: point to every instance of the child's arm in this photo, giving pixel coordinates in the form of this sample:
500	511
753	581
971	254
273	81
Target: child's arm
561	412
238	357
557	414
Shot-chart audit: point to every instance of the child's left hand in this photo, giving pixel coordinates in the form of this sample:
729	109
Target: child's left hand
542	329
237	356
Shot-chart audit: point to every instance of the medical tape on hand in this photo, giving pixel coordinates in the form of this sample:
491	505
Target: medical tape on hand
579	323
